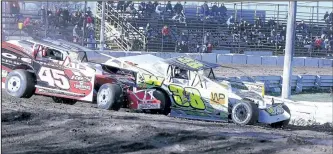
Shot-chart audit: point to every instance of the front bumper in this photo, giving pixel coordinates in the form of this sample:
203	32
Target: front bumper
265	117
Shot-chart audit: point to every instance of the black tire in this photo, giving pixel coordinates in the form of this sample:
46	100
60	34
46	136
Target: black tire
109	97
250	108
284	123
165	104
24	79
64	100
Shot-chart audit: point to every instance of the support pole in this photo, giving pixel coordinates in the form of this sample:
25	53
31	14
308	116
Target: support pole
47	18
317	11
289	49
102	27
84	24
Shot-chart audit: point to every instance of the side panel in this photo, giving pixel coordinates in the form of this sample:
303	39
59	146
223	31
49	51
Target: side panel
64	79
11	59
198	103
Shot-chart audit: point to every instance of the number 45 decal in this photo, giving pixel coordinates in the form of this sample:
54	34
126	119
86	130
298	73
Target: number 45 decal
187	97
54	77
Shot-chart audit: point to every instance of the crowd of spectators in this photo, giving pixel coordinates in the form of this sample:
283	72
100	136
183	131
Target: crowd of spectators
59	19
222	30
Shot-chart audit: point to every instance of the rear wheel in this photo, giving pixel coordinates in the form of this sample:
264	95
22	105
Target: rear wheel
109	97
20	83
165	104
284	123
245	113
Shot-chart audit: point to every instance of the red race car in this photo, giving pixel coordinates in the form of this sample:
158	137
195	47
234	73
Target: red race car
68	72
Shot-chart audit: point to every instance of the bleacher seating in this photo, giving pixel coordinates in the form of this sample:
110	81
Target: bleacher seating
222	36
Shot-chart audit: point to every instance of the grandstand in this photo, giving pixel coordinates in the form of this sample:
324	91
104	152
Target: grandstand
255	27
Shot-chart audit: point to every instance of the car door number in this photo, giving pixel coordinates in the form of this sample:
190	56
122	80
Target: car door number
54	77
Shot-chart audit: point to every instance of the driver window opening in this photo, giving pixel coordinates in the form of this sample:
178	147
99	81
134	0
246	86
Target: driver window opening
47	52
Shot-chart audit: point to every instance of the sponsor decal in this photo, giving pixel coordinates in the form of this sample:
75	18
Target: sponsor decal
82	86
4	73
275	110
217	98
149	106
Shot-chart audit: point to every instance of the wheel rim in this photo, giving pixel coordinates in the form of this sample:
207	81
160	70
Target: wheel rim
104	96
14	84
241	113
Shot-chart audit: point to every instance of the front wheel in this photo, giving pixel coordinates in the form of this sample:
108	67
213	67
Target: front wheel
20	83
245	113
109	97
284	123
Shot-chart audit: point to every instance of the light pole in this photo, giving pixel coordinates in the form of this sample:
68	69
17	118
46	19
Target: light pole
102	27
289	50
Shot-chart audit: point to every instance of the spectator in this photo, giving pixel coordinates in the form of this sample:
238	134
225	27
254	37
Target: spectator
142	7
148	30
91	42
223	10
209	48
303	27
271	23
89	11
308	43
89	21
205	9
206	39
26	22
318	44
42	12
230	21
178	8
66	15
120	6
169	7
283	33
150	8
14	9
215	10
198	48
326	15
155	4
166	32
133	10
158	9
75	34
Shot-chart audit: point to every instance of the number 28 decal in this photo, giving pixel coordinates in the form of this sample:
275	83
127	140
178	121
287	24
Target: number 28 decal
54	77
187	97
190	62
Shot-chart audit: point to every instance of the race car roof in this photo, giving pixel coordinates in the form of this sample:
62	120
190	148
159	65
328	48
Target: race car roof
142	59
188	63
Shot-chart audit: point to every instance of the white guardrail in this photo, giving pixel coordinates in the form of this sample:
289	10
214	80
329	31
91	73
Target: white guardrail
272	83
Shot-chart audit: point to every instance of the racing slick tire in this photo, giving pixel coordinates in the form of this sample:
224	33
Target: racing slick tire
245	113
283	123
20	83
109	97
165	104
64	100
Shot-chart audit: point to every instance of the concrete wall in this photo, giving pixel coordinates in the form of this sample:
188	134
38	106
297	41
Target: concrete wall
250	58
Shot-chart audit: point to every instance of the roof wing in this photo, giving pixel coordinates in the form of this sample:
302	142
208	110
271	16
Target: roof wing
188	63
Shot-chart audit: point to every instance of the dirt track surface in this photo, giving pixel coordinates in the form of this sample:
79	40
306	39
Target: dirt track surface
37	125
250	70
